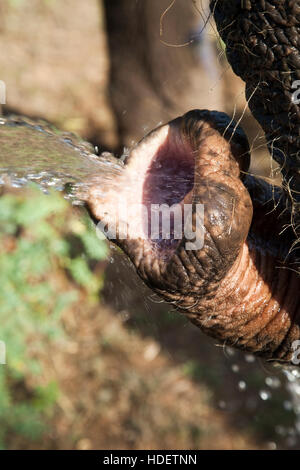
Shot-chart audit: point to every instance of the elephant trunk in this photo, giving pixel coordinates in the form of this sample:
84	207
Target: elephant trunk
262	44
226	270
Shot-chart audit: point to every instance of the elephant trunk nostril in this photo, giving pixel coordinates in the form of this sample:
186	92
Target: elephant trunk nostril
168	185
170	176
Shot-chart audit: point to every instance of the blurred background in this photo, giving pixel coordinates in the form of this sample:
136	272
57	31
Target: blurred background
94	359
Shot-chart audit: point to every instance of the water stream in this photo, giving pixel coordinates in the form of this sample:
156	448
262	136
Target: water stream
39	153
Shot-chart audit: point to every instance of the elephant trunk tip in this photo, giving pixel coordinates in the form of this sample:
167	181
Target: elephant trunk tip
164	177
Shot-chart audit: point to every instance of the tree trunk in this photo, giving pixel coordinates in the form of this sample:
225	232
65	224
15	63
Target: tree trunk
152	82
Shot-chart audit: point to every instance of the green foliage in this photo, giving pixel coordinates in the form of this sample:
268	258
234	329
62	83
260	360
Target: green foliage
47	257
86	251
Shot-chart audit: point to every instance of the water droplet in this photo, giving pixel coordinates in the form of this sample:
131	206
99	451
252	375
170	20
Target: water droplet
271	445
249	358
242	385
273	382
235	368
229	351
291	375
287	405
151	351
296	373
265	395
